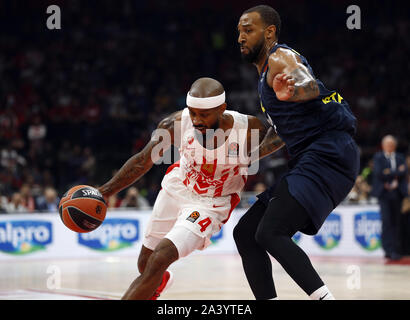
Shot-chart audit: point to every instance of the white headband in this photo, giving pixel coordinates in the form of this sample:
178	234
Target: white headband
205	103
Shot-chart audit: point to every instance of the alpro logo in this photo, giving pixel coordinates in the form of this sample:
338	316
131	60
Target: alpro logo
331	232
113	234
24	236
367	229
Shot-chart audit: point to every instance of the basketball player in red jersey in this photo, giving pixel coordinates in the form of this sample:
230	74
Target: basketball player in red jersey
199	191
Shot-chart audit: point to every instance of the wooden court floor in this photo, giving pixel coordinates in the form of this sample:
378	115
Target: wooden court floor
197	277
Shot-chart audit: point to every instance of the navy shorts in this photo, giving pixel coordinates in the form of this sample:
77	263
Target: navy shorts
321	176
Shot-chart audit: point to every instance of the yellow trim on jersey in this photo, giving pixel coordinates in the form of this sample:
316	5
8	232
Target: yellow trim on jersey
263	109
295	51
333	97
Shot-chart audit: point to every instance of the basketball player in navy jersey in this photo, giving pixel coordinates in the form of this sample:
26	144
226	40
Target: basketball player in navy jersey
317	126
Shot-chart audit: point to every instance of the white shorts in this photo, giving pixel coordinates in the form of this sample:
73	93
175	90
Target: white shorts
186	219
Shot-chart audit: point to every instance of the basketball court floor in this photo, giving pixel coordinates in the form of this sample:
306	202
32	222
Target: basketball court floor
197	277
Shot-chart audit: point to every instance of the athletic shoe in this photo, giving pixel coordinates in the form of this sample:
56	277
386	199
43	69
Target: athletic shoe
167	280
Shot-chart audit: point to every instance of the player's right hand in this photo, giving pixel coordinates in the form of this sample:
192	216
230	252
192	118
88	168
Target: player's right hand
104	195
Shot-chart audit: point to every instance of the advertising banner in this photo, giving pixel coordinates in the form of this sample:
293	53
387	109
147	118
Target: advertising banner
348	231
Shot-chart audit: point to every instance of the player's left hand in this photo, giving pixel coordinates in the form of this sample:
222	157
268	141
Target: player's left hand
284	86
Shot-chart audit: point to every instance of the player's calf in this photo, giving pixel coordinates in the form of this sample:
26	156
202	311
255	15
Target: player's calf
145	285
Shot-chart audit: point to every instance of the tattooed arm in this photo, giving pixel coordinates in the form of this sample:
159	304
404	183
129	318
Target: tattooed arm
270	143
261	141
142	162
290	78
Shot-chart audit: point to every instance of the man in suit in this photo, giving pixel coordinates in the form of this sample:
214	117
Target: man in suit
390	187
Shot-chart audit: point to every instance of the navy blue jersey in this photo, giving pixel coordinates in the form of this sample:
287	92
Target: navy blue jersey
297	123
318	133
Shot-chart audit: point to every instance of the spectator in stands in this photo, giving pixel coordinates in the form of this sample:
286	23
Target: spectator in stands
88	165
49	201
28	200
408	173
152	193
16	204
406	206
360	191
37	130
113	201
133	199
390	187
3	204
10	158
9	122
367	172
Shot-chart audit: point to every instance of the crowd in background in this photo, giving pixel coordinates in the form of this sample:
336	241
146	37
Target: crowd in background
76	103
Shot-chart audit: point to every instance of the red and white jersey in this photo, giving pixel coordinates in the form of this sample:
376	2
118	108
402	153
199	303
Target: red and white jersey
211	172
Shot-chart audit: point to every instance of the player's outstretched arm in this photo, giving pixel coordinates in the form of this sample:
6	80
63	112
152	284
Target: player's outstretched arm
290	78
267	139
142	162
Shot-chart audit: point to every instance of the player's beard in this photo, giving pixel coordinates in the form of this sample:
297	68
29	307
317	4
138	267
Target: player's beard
253	54
209	133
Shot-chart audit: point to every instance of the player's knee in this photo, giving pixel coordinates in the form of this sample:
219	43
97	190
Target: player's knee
242	235
265	234
159	261
262	236
142	262
143	258
272	240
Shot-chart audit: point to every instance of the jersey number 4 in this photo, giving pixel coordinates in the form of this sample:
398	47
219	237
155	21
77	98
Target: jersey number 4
204	224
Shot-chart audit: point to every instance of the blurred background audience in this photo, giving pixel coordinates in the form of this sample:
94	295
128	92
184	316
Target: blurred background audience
76	103
48	202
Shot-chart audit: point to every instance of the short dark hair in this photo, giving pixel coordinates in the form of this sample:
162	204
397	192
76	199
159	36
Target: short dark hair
268	15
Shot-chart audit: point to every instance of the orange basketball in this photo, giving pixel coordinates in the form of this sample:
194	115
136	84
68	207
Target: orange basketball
82	208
